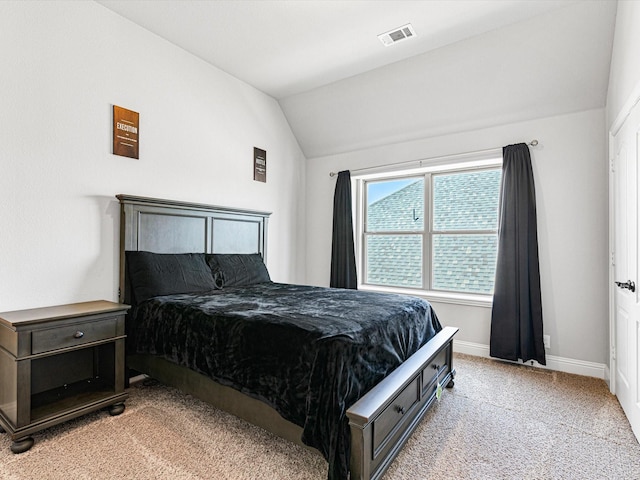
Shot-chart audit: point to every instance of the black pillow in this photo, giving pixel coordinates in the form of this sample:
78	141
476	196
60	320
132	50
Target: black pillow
153	274
239	269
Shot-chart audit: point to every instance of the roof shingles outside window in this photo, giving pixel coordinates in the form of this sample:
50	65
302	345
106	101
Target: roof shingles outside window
395	212
466	202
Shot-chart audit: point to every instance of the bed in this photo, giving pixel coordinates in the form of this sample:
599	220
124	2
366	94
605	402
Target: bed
347	373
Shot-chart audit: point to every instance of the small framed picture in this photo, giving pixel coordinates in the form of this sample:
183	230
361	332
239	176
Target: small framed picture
259	165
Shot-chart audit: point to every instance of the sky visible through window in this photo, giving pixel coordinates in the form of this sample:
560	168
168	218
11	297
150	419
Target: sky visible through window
379	190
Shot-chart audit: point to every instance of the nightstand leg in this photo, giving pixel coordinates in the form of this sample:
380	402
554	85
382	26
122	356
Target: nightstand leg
22	445
116	409
2	430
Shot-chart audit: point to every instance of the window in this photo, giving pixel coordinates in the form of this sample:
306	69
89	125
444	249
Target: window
432	231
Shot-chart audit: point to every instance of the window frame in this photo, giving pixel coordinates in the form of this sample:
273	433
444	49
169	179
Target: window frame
428	232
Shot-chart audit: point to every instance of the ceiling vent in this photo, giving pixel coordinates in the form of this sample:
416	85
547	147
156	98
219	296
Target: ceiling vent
397	35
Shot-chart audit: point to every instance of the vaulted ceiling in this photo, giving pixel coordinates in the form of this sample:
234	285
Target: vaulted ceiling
472	63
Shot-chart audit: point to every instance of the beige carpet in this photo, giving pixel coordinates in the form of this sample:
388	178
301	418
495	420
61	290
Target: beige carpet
501	421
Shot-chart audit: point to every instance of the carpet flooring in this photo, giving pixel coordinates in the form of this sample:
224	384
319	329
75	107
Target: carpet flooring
500	421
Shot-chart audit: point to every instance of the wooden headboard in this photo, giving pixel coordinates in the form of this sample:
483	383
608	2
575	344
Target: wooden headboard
166	226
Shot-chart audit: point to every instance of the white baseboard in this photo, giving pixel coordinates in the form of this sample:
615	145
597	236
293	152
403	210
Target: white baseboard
560	364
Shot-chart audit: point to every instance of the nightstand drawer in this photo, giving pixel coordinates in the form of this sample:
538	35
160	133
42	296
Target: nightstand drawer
72	335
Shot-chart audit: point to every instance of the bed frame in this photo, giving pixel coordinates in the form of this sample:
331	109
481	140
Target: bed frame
380	422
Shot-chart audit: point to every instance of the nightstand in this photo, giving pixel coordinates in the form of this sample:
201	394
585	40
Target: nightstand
58	363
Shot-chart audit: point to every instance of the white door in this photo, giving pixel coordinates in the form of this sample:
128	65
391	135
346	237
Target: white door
625	331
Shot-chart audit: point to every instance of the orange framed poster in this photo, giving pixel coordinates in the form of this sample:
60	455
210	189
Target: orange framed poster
126	133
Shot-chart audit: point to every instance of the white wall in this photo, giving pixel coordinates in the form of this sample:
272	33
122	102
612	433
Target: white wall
571	185
64	64
625	60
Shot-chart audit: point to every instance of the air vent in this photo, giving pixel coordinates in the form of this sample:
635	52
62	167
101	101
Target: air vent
397	35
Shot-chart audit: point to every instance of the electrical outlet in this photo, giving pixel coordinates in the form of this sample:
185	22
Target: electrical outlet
547	341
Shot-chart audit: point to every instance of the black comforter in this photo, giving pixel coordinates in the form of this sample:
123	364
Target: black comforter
308	352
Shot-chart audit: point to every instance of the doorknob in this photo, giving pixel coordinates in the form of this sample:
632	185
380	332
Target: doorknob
628	285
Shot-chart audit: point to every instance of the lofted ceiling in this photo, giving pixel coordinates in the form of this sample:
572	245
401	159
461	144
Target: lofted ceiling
472	64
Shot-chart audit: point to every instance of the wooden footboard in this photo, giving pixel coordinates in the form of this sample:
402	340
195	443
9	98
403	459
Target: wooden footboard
382	420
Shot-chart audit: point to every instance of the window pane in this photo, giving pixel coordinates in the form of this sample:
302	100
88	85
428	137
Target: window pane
395	205
464	263
394	260
466	201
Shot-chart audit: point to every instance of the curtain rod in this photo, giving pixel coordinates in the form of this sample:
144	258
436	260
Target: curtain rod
532	143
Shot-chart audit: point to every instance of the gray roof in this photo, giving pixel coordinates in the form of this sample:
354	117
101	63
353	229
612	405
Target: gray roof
395	260
464	263
465	201
395	212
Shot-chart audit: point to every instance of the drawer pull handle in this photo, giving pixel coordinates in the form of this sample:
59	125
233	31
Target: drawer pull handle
78	334
436	367
400	409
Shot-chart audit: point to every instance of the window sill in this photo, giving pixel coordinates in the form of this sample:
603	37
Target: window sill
485	301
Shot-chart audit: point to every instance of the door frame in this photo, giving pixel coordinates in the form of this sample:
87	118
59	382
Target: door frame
610	374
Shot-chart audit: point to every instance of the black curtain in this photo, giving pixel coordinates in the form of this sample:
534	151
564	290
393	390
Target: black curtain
516	318
343	258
